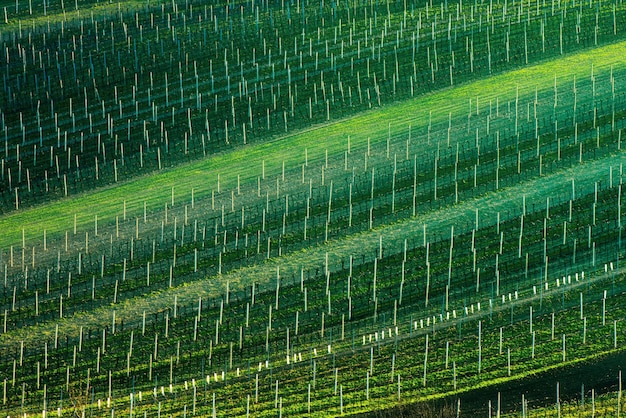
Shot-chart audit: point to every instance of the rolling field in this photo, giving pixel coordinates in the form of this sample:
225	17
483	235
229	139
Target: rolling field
296	208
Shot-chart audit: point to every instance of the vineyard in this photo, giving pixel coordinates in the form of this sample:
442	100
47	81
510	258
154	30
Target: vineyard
312	208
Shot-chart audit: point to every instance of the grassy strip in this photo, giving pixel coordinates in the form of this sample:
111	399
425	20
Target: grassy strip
416	395
156	189
131	310
69	17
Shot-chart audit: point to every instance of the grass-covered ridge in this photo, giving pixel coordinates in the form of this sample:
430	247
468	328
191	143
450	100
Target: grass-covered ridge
335	251
247	161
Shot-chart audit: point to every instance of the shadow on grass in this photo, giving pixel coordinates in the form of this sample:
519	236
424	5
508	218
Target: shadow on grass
431	409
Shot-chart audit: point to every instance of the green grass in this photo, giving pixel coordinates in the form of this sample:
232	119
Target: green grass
56	17
604	405
155	190
201	176
366	242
